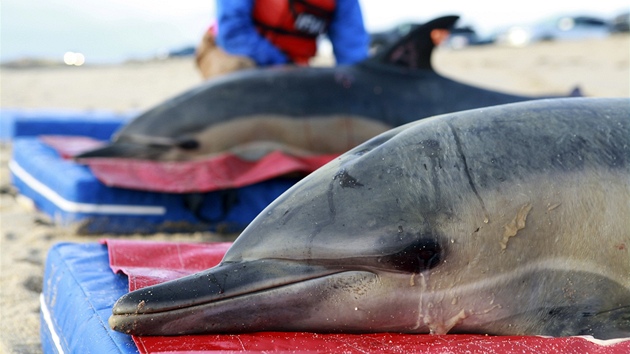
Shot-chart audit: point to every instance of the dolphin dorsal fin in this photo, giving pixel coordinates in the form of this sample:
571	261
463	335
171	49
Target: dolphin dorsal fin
414	50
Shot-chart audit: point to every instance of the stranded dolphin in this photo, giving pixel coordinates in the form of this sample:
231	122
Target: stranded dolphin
300	107
506	220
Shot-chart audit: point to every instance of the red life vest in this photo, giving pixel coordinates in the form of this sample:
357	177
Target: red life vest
293	25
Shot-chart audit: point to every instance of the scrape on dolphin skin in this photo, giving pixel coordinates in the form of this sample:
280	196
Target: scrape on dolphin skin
410	249
323	110
518	223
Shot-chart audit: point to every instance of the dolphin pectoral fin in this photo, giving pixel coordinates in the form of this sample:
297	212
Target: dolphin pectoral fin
148	311
572	320
609	324
564	321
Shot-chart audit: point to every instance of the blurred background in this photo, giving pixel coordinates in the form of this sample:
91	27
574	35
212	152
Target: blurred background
84	32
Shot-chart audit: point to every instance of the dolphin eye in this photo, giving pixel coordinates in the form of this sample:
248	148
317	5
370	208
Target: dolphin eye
422	255
190	144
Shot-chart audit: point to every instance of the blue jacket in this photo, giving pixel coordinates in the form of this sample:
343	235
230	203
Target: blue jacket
238	35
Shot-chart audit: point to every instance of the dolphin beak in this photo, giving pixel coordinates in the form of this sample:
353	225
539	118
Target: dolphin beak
126	150
225	298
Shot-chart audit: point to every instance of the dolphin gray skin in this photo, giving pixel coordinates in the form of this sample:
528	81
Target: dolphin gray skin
508	220
392	88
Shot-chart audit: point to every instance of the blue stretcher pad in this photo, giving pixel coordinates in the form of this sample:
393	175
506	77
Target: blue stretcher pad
71	195
96	124
78	295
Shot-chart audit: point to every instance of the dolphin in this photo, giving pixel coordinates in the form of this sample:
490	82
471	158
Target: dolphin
290	104
507	220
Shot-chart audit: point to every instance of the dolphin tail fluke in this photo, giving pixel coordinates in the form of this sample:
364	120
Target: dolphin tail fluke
414	50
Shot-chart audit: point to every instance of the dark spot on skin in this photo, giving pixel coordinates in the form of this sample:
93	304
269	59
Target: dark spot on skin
190	144
554	312
422	255
345	180
430	147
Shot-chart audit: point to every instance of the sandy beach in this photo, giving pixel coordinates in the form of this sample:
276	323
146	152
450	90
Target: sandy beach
600	68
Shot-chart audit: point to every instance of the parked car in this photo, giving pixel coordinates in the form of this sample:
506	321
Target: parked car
459	37
621	23
382	39
556	28
186	51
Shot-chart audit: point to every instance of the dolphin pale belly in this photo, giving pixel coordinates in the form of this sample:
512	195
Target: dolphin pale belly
392	88
508	220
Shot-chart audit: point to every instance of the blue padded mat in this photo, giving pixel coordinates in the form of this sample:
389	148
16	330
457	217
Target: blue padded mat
71	195
78	295
95	124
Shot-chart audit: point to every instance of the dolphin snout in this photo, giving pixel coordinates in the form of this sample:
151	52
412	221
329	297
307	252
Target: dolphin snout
145	311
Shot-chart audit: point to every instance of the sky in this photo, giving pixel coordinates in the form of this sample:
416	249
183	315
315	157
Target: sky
111	31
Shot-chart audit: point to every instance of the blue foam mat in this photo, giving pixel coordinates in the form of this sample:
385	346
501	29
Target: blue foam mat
70	194
96	124
78	294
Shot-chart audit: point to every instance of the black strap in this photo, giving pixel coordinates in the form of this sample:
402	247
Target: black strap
312	9
266	28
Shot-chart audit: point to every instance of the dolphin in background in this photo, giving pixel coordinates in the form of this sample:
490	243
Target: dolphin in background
507	220
324	110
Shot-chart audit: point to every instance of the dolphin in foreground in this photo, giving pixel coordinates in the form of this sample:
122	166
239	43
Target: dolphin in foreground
300	107
509	220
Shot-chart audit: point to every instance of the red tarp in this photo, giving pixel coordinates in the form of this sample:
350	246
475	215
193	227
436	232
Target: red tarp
218	172
148	263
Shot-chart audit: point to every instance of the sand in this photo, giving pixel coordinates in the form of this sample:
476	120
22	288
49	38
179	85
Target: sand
601	68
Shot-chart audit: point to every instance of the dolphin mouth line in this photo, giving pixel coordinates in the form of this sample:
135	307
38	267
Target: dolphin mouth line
151	140
236	296
233	297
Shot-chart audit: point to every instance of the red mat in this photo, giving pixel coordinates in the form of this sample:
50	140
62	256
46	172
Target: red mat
218	172
148	263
